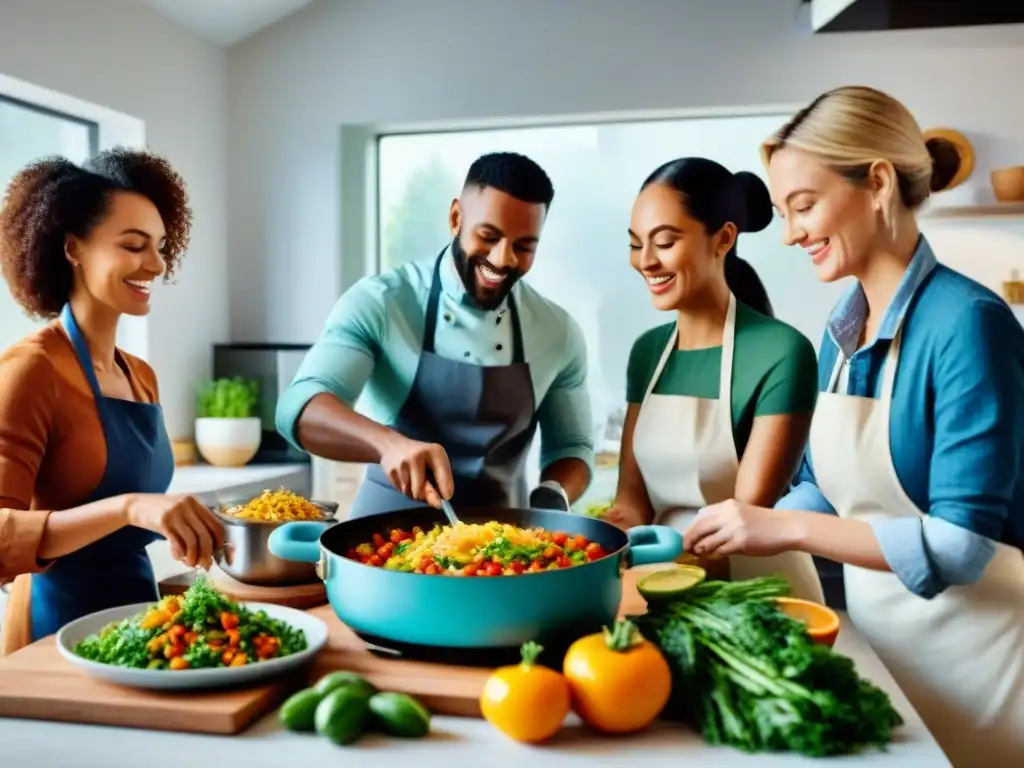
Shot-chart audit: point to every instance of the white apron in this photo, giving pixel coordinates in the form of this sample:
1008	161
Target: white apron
959	657
686	453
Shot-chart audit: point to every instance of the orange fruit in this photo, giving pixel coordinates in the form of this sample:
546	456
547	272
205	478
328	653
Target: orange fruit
822	622
527	702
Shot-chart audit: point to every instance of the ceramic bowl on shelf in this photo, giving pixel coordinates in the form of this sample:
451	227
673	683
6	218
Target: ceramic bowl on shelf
1008	184
228	442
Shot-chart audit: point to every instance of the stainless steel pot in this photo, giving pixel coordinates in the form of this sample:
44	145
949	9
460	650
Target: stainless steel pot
246	557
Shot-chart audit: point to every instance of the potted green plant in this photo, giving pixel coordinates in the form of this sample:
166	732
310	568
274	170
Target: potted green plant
228	427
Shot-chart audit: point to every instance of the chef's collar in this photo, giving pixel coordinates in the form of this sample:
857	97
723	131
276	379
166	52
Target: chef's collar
455	289
847	319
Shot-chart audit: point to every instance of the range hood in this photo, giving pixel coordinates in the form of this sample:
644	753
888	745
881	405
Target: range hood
881	15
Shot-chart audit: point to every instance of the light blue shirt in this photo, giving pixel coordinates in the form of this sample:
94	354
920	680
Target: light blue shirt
956	428
371	344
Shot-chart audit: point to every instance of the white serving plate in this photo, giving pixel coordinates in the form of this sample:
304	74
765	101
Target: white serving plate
190	679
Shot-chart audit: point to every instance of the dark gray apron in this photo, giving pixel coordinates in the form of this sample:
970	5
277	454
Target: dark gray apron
483	416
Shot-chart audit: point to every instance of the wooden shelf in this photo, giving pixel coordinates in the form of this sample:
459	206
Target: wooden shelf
986	211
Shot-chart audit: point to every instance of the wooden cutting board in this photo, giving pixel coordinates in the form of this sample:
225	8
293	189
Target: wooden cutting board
444	689
37	683
298	596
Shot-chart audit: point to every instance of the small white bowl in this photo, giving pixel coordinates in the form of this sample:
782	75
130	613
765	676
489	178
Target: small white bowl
228	442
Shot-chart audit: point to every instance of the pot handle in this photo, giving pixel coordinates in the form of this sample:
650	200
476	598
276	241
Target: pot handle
298	541
653	544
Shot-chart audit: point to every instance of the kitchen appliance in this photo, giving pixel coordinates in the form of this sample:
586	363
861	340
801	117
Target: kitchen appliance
408	612
273	366
245	556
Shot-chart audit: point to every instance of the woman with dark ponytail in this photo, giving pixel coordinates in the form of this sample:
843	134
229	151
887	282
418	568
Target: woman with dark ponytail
719	399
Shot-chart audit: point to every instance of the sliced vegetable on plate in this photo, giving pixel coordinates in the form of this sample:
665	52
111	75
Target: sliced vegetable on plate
527	702
619	681
200	629
200	639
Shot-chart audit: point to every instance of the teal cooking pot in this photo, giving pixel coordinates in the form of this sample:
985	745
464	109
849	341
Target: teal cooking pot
551	607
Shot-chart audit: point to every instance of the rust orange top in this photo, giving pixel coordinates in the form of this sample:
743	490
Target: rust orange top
52	448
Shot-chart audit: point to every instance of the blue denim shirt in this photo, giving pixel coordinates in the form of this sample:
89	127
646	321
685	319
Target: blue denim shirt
956	428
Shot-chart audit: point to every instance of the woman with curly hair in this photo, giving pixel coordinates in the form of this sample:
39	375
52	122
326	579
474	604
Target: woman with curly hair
85	461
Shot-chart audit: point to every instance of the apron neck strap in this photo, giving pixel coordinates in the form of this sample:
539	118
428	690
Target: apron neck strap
892	357
67	319
434	302
725	368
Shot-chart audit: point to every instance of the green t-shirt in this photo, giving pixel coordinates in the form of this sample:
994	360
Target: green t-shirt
774	370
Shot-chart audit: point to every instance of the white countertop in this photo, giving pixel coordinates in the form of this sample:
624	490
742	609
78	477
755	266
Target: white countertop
453	741
204	480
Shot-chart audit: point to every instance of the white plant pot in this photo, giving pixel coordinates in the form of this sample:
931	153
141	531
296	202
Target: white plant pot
228	442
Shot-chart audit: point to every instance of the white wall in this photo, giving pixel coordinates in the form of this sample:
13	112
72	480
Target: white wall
366	61
120	55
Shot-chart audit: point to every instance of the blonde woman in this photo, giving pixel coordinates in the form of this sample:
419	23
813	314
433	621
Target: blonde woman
917	441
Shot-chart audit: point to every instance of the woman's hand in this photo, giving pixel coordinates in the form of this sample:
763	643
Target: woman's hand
193	531
735	528
623	517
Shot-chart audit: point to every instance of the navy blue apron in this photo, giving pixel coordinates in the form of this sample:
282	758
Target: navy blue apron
483	416
114	570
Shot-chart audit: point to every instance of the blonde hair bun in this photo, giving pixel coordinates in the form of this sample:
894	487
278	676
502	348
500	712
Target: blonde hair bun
852	127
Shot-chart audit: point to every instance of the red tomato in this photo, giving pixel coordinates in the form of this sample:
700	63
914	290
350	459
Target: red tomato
536	565
595	552
433	569
375	560
564	561
551	553
579	542
559	538
396	536
470	569
493	569
517	567
378	541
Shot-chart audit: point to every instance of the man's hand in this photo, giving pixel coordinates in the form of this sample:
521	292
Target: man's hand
419	470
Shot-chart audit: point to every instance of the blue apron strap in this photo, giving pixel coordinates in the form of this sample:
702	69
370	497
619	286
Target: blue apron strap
67	318
434	300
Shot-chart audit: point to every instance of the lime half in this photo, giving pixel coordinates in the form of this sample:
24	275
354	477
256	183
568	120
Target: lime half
672	582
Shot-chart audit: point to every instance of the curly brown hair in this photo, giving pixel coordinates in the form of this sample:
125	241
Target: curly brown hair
53	197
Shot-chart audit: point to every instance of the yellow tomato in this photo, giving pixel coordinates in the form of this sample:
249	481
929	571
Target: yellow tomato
619	681
526	702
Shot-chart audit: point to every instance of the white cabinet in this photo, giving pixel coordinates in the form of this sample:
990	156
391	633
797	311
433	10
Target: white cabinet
337	481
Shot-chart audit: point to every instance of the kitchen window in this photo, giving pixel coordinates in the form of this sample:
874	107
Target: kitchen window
28	133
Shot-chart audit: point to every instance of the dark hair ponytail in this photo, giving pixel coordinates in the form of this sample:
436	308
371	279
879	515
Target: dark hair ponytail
713	195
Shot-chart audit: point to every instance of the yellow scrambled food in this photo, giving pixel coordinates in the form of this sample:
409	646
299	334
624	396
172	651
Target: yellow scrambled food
277	506
476	549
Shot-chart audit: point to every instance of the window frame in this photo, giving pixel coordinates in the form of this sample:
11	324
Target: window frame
108	129
375	134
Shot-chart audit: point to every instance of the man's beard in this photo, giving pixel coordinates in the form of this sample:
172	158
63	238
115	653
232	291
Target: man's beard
465	265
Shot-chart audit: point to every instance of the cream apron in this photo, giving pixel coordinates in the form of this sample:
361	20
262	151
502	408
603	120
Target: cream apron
959	657
686	453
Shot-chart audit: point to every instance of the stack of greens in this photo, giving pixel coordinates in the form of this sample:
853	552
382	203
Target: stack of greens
748	676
